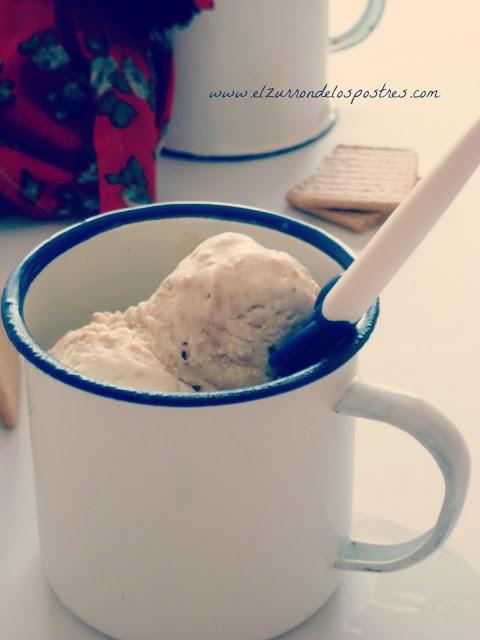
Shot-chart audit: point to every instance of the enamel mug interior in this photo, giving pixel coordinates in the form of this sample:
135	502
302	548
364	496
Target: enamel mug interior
207	516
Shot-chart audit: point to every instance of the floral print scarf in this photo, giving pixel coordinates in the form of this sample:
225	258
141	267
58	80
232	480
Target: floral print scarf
82	110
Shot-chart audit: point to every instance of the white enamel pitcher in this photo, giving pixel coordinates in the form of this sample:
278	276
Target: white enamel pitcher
254	50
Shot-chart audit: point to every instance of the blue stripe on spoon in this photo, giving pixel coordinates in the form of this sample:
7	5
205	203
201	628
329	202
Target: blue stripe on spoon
313	342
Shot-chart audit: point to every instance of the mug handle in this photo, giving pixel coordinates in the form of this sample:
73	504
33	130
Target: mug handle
442	439
361	29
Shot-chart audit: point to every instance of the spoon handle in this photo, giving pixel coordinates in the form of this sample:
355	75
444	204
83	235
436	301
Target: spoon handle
404	230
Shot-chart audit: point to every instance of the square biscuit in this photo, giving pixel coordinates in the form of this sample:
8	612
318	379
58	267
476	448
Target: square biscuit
9	381
358	178
358	221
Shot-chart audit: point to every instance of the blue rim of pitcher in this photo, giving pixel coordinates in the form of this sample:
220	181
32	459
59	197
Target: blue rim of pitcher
22	277
247	157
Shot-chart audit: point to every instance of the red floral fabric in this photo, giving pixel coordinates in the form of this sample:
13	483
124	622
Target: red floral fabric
82	109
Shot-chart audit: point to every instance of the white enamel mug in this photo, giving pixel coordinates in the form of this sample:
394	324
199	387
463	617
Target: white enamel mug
208	516
246	46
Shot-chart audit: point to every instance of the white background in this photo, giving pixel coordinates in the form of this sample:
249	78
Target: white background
427	340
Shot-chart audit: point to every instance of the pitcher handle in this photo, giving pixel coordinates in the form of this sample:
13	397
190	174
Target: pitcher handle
361	29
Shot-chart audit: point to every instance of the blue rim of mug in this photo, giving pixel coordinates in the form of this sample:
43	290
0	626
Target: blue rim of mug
22	277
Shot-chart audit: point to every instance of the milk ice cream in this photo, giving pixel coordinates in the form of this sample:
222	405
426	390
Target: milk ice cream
212	321
111	352
208	326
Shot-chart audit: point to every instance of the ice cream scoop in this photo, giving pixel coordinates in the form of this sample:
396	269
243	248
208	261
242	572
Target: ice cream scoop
343	301
108	350
212	321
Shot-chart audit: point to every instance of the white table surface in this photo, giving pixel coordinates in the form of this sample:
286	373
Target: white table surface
426	342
